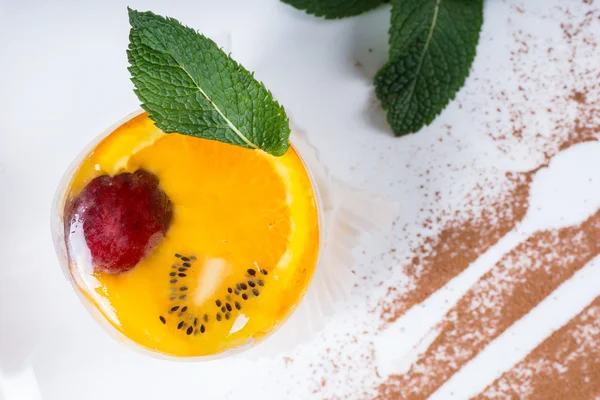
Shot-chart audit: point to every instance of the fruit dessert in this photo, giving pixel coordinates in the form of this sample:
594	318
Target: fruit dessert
192	228
190	246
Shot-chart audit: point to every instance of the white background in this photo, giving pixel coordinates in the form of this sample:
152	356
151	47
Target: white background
64	79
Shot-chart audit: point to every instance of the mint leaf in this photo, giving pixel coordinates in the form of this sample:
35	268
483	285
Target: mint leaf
332	9
432	47
190	86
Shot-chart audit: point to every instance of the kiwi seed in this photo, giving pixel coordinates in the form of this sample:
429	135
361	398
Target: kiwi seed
189	322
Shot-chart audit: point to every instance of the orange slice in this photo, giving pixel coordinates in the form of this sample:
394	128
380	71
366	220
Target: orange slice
238	257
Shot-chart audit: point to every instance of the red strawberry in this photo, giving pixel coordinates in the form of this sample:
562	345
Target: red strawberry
124	217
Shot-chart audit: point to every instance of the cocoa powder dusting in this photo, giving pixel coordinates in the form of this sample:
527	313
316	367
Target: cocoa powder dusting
530	272
564	366
446	254
520	281
571	83
450	252
550	103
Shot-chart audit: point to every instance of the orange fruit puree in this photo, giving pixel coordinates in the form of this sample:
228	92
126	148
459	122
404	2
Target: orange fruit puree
238	256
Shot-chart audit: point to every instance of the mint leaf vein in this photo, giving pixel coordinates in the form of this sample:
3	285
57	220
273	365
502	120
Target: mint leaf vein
218	110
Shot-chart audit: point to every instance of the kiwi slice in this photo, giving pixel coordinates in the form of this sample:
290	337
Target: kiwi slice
227	304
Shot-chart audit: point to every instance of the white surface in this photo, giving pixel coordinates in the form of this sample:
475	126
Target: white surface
63	79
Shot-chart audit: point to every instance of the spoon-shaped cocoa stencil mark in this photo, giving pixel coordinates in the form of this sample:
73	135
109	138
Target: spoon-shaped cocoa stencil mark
520	281
564	366
522	278
467	235
524	335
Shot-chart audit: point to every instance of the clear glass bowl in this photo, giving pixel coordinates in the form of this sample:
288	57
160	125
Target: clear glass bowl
57	228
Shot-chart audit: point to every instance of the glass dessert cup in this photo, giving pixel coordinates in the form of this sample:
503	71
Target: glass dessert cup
242	242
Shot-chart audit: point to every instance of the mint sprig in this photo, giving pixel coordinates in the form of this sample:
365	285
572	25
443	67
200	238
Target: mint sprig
190	86
333	9
432	47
